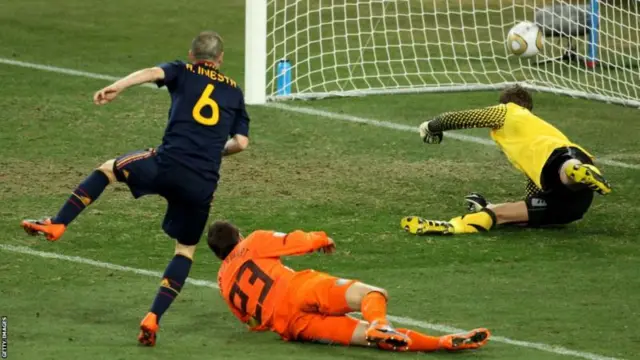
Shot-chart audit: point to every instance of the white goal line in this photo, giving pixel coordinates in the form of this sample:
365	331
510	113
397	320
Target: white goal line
559	350
293	108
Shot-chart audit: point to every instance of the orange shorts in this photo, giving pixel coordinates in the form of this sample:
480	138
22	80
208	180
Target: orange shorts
323	329
317	308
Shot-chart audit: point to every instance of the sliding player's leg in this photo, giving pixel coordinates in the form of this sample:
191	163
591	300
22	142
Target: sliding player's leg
473	339
340	330
324	301
345	330
327	329
372	303
327	295
185	223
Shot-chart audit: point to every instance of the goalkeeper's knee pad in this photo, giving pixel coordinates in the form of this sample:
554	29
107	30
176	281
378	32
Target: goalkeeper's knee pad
481	221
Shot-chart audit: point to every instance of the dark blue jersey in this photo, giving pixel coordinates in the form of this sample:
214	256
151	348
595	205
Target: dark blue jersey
207	108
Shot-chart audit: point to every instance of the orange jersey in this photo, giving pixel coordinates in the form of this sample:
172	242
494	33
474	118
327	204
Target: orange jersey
254	282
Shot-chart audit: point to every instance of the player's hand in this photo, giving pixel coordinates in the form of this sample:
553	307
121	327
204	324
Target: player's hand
330	248
106	95
429	137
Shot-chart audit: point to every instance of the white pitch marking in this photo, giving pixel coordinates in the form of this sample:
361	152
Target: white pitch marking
298	109
398	319
414	129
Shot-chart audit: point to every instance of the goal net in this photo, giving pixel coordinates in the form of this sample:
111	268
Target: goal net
319	48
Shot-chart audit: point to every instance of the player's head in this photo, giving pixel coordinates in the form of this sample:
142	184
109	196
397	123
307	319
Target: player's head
207	46
518	95
223	238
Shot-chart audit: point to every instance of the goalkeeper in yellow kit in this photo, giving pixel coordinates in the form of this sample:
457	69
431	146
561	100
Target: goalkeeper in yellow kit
561	175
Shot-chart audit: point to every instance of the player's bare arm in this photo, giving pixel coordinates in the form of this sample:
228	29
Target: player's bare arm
235	145
109	93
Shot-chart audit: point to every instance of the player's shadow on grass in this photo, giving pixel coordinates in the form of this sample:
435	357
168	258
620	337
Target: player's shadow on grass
354	352
568	230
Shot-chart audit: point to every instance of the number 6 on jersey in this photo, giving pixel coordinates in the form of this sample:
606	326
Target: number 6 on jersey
204	101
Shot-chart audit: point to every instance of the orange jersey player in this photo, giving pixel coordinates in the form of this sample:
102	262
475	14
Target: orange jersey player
309	305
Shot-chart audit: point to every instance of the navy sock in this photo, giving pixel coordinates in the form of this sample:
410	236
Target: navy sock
172	282
87	192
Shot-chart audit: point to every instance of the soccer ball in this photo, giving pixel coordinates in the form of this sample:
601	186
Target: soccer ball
525	39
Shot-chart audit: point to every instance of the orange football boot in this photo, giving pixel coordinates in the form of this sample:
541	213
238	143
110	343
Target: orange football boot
474	339
148	329
383	334
44	227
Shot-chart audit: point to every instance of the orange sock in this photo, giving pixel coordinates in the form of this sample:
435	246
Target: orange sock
374	307
421	342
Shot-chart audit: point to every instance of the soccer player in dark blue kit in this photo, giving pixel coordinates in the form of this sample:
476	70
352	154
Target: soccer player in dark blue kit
207	120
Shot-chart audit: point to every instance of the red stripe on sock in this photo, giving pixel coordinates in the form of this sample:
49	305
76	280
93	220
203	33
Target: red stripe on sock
167	294
84	193
73	201
175	283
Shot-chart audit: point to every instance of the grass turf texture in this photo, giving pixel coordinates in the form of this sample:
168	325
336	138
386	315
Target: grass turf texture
573	287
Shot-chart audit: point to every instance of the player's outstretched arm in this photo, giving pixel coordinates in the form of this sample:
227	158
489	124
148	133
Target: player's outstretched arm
491	117
110	92
294	243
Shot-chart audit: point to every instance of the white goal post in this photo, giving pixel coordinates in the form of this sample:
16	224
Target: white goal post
302	49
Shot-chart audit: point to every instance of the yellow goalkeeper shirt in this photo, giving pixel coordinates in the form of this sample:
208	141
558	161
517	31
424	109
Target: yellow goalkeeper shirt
524	138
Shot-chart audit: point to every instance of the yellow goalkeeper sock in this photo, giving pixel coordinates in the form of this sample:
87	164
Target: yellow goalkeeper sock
473	223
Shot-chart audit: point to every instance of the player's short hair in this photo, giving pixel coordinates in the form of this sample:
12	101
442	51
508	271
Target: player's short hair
222	238
518	95
207	45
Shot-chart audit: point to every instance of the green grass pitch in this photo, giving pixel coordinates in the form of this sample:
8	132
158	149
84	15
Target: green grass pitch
576	287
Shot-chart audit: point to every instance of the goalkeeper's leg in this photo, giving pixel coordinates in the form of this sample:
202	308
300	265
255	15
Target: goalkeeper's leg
574	172
547	209
571	168
481	221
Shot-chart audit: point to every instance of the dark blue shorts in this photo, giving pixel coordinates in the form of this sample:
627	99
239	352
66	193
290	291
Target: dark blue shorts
188	196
